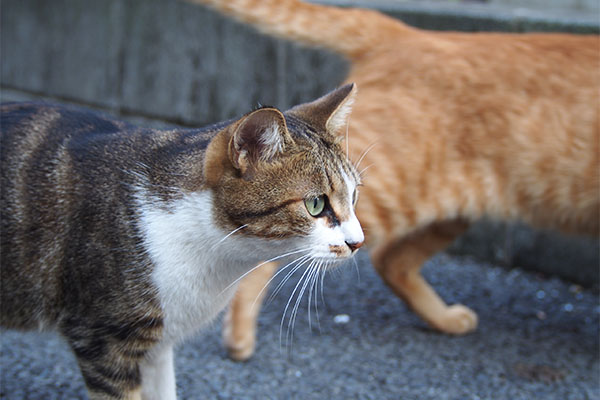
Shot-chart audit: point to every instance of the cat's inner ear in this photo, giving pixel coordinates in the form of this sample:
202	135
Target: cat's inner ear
258	138
330	112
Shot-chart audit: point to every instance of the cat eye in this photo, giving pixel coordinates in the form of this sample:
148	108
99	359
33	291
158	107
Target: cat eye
354	198
315	205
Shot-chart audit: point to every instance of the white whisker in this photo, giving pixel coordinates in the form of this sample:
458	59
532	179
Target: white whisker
347	137
364	154
311	270
322	284
286	309
292	319
281	269
322	270
362	171
287	277
228	235
314	279
261	264
356	268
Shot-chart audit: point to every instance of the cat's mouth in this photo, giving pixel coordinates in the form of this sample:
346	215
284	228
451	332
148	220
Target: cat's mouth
344	251
336	253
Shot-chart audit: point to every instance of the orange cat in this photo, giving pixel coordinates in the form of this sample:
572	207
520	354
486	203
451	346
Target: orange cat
458	126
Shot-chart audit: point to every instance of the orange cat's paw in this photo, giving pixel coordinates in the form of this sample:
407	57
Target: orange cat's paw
240	352
239	347
458	320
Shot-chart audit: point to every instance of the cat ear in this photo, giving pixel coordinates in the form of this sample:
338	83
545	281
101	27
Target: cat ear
330	112
258	137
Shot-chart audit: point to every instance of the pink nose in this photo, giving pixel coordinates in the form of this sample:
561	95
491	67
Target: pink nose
355	245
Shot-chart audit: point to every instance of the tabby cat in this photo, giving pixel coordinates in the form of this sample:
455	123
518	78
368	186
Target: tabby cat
451	127
128	240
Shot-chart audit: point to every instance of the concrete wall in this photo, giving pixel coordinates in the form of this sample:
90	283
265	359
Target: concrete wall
172	62
164	59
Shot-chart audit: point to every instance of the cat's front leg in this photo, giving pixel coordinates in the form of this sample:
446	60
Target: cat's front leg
158	374
109	374
399	263
239	325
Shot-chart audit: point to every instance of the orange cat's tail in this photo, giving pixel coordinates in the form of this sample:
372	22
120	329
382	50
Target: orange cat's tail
349	32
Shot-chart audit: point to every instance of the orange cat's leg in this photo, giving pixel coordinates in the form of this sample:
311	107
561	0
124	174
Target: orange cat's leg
239	326
399	264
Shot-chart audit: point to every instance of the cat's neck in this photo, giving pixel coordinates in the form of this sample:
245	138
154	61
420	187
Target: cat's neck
196	265
183	231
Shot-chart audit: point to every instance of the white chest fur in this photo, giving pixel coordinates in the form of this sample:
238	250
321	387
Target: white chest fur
193	266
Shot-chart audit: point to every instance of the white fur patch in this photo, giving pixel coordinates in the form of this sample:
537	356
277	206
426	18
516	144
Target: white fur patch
271	138
158	375
324	237
352	230
339	118
196	268
351	227
193	264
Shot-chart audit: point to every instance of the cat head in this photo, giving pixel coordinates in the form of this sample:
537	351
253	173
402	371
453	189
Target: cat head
283	177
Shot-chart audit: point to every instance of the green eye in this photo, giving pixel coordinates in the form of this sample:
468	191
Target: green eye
315	205
354	197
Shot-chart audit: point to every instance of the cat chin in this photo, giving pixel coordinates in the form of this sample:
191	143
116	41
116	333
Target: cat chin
332	257
331	253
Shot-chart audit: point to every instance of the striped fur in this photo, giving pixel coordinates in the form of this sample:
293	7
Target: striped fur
451	127
128	240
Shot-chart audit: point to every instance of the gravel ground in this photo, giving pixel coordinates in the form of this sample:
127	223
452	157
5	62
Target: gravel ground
538	339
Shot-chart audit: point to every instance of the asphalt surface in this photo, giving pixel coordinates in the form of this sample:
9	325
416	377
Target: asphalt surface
538	338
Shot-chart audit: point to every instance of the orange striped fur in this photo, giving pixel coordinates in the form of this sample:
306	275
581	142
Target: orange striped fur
450	127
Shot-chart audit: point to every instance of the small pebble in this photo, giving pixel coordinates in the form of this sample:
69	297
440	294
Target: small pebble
541	315
341	319
540	294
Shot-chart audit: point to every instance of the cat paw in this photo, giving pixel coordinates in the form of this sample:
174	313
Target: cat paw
239	349
457	320
240	353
